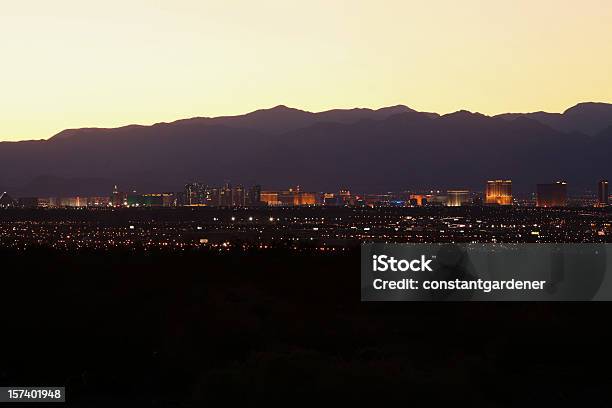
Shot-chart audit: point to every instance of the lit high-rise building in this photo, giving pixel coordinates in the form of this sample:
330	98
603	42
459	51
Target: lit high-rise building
330	199
200	194
552	195
604	194
225	195
197	194
255	195
420	200
118	198
498	192
72	202
345	197
238	196
289	198
457	198
270	198
98	201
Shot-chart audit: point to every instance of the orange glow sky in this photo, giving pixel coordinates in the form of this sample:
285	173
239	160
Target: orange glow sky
72	63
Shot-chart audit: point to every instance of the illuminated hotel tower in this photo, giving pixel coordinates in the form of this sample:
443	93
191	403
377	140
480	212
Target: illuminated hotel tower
499	192
457	198
604	194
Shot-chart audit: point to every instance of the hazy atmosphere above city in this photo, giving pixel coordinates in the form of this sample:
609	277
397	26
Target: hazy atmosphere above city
72	64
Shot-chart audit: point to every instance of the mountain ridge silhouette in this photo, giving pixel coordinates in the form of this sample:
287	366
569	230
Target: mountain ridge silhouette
363	149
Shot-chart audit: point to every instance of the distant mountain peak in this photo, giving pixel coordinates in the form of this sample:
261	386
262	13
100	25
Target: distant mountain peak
70	133
589	107
588	118
395	109
79	132
279	108
464	114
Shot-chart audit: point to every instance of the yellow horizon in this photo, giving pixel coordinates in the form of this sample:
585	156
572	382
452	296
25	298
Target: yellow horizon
68	64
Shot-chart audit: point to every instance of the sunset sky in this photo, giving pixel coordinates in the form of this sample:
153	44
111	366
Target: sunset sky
74	63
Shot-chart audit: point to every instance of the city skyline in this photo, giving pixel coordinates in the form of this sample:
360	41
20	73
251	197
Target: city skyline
195	194
74	65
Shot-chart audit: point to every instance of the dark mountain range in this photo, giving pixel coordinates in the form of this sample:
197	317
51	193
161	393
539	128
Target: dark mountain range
367	150
589	118
276	120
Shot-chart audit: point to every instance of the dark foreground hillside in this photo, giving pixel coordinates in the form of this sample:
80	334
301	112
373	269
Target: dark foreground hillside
125	329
